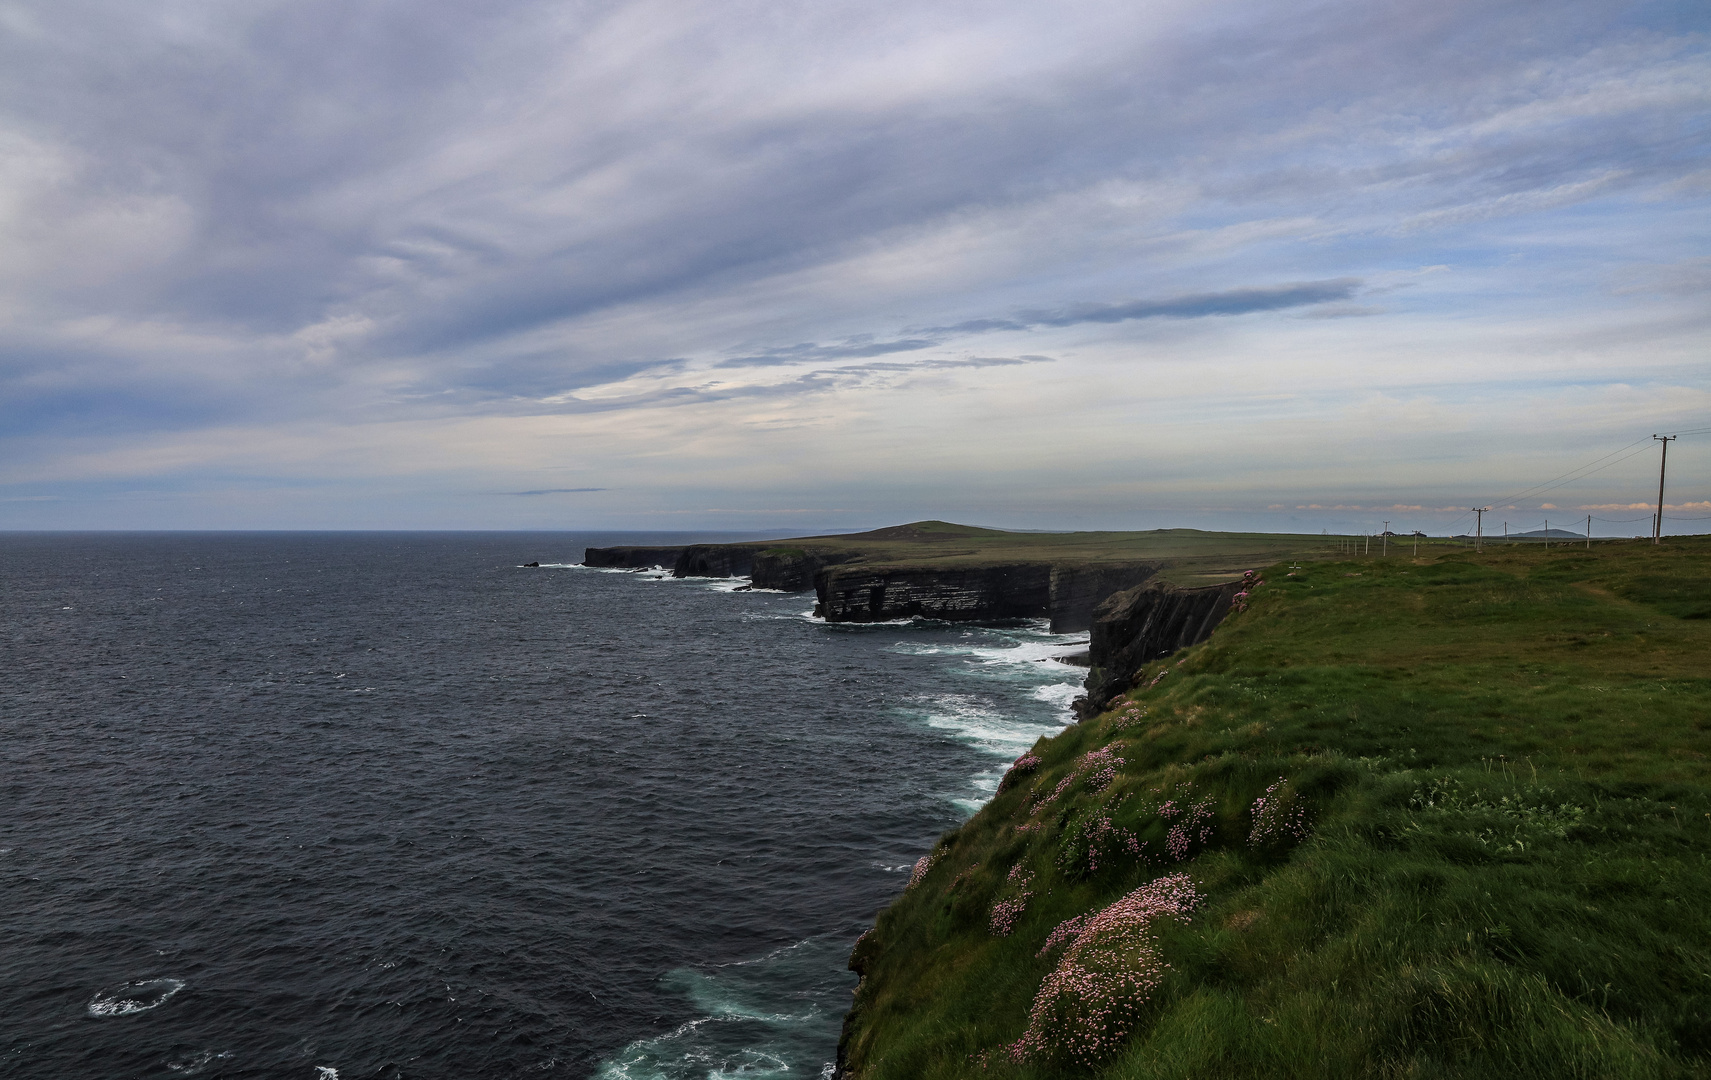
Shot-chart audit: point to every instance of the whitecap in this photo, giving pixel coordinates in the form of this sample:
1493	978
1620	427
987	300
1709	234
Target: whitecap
1061	695
972	719
749	1018
135	997
191	1064
592	569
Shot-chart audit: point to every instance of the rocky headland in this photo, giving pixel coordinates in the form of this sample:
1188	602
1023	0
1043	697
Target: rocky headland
937	570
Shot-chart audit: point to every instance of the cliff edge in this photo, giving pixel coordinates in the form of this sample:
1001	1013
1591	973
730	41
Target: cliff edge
1405	817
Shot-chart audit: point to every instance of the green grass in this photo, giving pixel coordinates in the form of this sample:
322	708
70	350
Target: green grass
1503	758
1187	556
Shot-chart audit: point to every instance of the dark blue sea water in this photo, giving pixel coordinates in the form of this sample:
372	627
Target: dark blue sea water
392	805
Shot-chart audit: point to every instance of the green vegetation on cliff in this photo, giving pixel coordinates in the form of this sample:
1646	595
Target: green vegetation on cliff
1188	556
1446	816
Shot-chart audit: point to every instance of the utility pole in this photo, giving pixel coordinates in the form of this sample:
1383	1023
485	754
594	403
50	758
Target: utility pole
1385	549
1479	527
1589	532
1547	532
1505	532
1657	522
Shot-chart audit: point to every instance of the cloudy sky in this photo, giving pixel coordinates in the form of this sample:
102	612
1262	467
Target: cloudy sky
797	266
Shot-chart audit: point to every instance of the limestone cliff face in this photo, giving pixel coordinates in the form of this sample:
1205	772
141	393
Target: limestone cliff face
695	560
631	558
850	592
1142	624
878	594
1077	590
794	570
1067	595
714	560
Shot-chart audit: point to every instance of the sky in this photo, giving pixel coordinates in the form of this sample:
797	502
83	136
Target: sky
803	267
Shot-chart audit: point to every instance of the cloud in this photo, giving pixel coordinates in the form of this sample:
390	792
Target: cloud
1648	506
1688	277
811	353
556	491
1200	305
1396	508
1239	301
376	221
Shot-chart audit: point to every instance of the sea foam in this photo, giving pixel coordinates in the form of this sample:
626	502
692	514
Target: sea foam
134	997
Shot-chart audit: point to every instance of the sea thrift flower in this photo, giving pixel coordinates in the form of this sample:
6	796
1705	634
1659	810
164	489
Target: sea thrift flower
1087	1005
1066	932
1128	716
1195	828
1006	911
1103	763
922	865
1278	818
1097	836
1021	767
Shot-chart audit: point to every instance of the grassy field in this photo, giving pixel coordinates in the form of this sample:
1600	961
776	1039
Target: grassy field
1445	816
1192	557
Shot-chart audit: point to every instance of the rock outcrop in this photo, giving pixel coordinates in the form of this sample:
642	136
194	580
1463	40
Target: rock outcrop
1078	590
714	560
850	591
792	569
882	593
631	558
1142	624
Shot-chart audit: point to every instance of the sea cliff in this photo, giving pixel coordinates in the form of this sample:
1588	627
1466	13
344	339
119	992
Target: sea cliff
849	590
1145	623
1405	817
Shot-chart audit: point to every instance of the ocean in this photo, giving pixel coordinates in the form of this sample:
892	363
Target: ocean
395	805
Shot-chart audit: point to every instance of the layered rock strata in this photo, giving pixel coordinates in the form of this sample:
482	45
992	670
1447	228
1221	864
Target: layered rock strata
883	593
631	558
848	591
1142	624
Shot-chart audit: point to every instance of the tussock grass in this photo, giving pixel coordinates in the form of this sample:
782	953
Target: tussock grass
1502	762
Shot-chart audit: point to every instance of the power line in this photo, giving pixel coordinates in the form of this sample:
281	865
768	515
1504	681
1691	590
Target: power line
1584	471
1657	523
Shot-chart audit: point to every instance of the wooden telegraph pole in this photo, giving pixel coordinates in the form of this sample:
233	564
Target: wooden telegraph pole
1657	521
1385	548
1479	528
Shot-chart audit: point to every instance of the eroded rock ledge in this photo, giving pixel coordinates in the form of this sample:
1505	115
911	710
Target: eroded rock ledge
850	590
1144	623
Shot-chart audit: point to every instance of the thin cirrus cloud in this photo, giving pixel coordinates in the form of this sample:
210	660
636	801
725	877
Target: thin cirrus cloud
673	232
1241	301
1199	306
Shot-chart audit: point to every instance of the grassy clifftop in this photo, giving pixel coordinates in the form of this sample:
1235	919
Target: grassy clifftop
1446	816
1190	556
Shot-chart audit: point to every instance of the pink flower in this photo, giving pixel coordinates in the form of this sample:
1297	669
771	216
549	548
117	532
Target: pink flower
1086	1005
1278	817
1005	912
922	865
